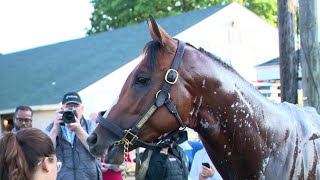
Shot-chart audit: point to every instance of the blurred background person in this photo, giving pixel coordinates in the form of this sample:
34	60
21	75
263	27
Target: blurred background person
167	162
22	118
27	154
190	148
114	171
202	167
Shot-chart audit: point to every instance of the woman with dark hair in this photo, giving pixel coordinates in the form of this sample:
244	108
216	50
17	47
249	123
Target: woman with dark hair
28	154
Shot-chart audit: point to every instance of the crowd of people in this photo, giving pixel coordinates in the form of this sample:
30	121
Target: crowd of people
61	151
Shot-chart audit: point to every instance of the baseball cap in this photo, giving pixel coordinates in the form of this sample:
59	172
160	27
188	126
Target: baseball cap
71	97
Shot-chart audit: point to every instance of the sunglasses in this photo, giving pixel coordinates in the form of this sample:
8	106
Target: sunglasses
59	163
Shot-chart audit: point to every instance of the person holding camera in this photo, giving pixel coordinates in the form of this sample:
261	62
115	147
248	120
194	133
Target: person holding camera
69	131
167	162
202	168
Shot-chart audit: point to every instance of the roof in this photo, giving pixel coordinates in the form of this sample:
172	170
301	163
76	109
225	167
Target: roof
42	75
276	61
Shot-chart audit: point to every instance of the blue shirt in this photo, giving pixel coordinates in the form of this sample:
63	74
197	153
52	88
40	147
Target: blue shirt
200	157
69	135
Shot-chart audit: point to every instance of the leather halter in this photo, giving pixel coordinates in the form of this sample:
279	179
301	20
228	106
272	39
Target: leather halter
129	136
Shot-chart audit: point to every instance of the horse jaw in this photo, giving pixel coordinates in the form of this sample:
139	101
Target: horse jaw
115	155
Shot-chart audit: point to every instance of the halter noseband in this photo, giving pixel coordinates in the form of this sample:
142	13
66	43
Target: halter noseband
129	136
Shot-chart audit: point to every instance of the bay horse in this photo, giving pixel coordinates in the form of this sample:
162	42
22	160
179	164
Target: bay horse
246	135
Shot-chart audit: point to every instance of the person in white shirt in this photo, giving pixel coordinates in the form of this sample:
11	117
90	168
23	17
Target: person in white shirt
201	172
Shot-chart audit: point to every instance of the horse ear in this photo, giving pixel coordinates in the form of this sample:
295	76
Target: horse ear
154	29
158	33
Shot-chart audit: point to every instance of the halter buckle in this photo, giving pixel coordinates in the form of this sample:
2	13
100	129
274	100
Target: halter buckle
167	74
128	132
159	92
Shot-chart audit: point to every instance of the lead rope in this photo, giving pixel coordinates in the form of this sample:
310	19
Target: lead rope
125	156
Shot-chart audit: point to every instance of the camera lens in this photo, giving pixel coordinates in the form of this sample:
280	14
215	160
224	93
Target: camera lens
69	116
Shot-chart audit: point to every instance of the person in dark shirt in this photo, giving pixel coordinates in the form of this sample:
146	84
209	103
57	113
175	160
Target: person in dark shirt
167	163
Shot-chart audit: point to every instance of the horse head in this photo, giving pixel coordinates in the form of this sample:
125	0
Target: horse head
144	108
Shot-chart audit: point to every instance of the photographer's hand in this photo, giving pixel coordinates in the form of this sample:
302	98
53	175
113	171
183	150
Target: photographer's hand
74	126
80	133
56	126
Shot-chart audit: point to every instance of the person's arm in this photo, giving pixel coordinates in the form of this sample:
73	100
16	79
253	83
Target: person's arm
80	133
53	133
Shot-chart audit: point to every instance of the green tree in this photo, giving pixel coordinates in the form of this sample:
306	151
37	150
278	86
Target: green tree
113	14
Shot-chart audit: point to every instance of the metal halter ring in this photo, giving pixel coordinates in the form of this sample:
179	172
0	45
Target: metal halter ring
167	73
159	92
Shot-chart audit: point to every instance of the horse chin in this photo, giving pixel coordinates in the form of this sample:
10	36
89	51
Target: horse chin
115	155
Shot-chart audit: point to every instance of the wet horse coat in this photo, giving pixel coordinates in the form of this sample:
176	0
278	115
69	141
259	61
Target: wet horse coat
245	135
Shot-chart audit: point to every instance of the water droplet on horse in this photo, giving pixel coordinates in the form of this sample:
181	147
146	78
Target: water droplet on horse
195	99
204	123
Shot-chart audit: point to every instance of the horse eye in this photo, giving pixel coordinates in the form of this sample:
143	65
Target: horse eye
142	80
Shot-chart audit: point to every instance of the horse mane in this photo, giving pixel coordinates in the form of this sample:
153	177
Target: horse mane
226	65
151	50
217	58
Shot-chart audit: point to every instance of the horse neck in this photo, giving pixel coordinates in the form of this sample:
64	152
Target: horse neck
229	114
228	102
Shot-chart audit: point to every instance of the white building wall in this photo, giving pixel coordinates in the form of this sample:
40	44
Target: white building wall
268	72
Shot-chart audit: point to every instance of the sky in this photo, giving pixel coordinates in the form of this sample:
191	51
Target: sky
26	24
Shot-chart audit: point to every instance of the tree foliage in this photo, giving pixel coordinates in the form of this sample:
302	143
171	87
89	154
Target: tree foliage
113	14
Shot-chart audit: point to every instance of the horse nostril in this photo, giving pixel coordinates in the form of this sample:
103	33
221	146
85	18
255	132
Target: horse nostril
92	139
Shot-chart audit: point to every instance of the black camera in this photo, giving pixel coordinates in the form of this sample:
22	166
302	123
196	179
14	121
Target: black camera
178	138
69	116
181	137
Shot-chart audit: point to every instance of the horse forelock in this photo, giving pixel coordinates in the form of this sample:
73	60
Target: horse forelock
151	53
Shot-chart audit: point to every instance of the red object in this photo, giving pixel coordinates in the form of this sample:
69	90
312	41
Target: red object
112	175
